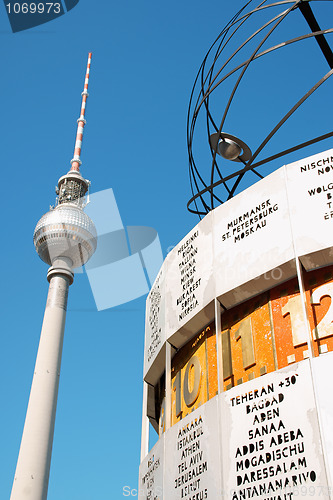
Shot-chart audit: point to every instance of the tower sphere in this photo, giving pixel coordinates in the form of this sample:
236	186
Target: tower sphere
65	231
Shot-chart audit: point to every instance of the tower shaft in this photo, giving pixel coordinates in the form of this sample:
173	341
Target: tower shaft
33	465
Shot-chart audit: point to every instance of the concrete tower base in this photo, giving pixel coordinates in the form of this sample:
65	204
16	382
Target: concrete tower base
33	465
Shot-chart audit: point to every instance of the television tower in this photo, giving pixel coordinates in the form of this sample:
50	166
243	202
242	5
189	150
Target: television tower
65	238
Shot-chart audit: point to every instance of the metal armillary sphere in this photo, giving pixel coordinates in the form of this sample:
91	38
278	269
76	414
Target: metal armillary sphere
222	64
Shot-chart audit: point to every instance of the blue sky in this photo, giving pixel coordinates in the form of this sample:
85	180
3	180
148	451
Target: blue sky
145	58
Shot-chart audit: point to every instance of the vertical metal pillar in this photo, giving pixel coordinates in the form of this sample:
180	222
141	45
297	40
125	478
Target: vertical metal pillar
219	355
168	386
304	309
34	460
145	424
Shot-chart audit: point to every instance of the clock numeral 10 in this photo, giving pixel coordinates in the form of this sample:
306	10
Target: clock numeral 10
191	384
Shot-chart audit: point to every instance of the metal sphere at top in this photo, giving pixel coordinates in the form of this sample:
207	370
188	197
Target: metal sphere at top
229	149
220	80
65	231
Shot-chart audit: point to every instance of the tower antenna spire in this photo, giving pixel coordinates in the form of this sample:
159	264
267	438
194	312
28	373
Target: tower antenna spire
76	161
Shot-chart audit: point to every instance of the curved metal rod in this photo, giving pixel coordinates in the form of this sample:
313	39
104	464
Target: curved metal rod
267	51
291	150
292	110
205	93
247	168
280	17
288	42
210	72
281	122
218	52
201	71
209	76
243	72
224	31
227	28
245	42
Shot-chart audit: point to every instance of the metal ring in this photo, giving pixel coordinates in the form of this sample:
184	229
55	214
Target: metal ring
77	160
246	151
